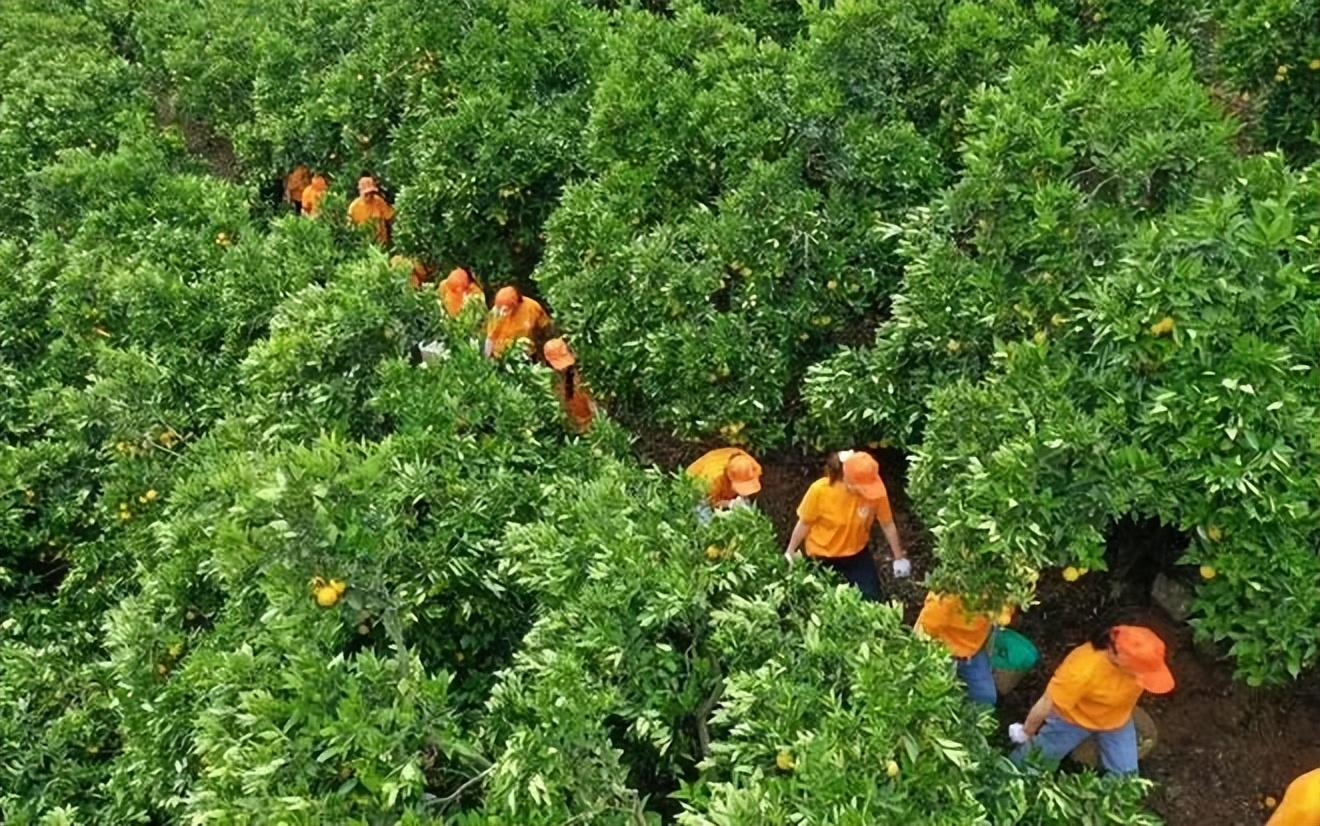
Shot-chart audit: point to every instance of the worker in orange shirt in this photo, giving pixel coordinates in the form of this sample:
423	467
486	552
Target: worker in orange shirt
370	208
730	476
577	402
967	635
1301	803
1093	693
456	290
312	195
294	184
835	520
514	317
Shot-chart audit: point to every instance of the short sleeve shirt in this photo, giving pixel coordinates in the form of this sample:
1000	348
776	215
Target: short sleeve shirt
1089	691
1301	803
838	521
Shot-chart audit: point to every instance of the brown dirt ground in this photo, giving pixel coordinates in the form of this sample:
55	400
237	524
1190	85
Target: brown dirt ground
1222	747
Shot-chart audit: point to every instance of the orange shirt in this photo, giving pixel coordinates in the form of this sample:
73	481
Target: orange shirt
945	618
580	409
710	469
453	300
1090	691
527	321
374	210
311	197
1301	803
839	522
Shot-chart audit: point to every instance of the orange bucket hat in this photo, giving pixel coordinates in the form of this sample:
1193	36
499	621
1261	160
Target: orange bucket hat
862	472
744	474
458	279
557	354
367	185
1141	651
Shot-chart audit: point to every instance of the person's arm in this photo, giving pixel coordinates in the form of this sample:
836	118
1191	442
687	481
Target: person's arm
795	541
890	530
1039	712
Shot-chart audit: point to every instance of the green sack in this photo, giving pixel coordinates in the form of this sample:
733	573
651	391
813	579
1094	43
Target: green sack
1013	652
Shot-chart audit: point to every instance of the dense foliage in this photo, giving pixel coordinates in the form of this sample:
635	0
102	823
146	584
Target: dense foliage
1088	299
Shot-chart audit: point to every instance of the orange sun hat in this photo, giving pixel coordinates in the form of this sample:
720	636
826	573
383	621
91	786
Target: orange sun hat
557	354
744	474
862	472
1141	651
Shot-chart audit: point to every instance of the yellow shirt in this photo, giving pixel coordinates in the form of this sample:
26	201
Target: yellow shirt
526	322
374	210
453	300
1301	803
710	469
838	521
311	197
1090	691
946	619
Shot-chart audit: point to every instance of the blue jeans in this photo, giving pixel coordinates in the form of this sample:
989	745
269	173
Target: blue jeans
859	569
976	674
1058	737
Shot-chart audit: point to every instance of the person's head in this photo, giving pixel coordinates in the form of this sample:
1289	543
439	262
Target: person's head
744	475
1140	652
558	355
319	181
858	471
506	301
367	186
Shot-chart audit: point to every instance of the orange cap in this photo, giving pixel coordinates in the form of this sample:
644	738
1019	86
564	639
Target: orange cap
558	355
507	298
367	185
1141	652
744	474
458	279
862	472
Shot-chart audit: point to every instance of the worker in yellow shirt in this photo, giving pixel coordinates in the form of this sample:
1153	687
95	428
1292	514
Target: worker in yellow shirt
1301	803
371	209
835	520
1093	693
730	476
456	290
514	317
311	195
967	635
578	404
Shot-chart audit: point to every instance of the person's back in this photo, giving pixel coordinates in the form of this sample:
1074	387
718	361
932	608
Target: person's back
1301	803
312	195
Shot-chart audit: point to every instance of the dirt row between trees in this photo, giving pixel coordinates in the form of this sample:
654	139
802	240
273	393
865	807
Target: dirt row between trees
1223	750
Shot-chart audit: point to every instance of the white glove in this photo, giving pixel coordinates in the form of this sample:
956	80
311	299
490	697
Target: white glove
1018	733
902	568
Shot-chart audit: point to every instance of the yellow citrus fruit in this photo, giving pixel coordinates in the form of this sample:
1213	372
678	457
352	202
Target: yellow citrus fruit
150	495
1071	574
1315	64
326	596
1208	572
1213	533
339	586
891	769
713	553
363	629
953	346
784	760
1162	327
832	285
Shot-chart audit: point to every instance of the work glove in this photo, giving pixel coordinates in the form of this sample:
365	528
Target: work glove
902	568
1018	733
